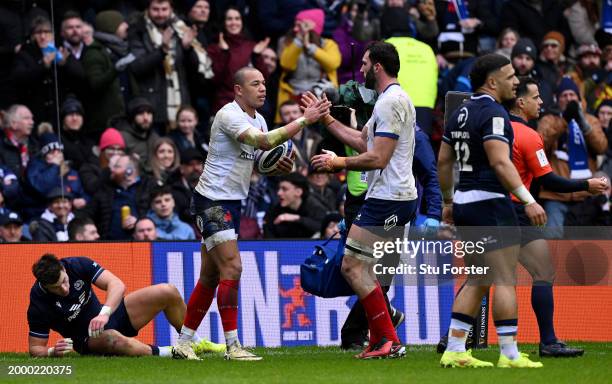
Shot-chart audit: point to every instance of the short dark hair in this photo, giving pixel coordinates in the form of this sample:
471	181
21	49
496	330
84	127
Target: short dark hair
161	1
299	181
521	90
77	225
485	66
38	22
70	14
47	269
143	218
386	55
239	75
288	102
160	191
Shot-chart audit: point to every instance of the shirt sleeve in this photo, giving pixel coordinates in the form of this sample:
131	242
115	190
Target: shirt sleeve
234	124
390	119
37	321
535	156
497	127
87	268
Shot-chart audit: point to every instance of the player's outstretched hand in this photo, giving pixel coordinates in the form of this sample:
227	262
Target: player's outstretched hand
62	347
316	110
597	186
328	161
536	214
96	325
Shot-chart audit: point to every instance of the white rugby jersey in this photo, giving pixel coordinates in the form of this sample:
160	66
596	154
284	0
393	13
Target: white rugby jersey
393	116
229	164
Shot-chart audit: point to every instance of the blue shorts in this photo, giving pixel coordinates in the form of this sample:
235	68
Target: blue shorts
493	221
529	232
218	221
119	321
386	217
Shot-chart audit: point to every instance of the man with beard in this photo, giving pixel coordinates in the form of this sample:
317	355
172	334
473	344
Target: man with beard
386	146
73	79
166	52
587	72
184	180
137	130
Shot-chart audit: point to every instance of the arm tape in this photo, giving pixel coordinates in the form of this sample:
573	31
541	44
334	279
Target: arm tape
522	193
556	183
274	137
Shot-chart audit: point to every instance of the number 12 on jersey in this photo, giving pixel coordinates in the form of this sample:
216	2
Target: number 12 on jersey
462	154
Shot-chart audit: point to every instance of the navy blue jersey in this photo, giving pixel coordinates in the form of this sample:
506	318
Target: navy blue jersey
70	315
477	121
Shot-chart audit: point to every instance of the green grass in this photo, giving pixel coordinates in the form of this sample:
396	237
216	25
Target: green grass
319	365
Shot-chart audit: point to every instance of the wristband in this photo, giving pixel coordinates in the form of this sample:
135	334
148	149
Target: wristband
328	120
106	310
522	193
301	122
339	162
51	351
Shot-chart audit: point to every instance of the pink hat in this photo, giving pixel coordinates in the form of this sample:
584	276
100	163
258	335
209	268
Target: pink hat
111	137
315	15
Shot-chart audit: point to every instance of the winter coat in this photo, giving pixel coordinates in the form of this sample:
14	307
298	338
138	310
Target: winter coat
182	196
311	215
137	141
105	100
78	148
529	22
172	228
227	62
10	155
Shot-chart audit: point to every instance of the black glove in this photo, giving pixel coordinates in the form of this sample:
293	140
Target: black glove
574	111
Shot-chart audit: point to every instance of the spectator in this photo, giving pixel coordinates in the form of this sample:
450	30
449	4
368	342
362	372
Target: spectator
48	171
320	190
34	71
82	229
583	20
506	41
418	75
357	28
270	60
552	63
594	210
123	188
78	148
87	33
166	52
93	174
52	226
137	130
276	16
603	89
73	79
534	18
296	215
9	186
72	28
16	146
329	226
105	62
420	20
587	72
10	44
604	114
233	51
305	142
167	222
165	159
555	134
11	228
185	135
308	61
184	180
144	230
198	17
524	56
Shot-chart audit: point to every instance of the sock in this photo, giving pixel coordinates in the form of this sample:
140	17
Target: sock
195	338
165	351
198	305
542	302
227	301
461	323
378	317
506	332
154	350
231	337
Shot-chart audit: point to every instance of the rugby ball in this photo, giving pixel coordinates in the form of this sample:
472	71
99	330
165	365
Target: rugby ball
266	161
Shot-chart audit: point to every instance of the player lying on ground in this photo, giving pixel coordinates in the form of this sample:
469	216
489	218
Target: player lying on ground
529	158
62	299
479	137
237	131
386	146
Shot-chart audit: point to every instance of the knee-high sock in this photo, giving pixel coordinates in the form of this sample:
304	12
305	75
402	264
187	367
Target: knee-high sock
379	320
227	301
198	305
543	304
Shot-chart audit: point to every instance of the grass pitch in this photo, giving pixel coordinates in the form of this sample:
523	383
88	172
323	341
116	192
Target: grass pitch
318	365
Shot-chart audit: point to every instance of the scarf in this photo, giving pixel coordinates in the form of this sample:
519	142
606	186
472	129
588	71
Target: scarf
61	230
118	47
173	91
606	15
578	161
23	148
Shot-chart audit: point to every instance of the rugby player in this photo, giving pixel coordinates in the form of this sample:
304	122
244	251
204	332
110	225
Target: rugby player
237	131
386	146
479	137
62	299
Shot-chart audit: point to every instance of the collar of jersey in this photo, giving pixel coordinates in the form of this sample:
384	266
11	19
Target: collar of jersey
479	96
389	86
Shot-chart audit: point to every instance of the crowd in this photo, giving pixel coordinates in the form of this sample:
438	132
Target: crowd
107	105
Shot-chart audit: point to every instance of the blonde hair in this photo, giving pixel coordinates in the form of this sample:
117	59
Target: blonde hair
155	165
